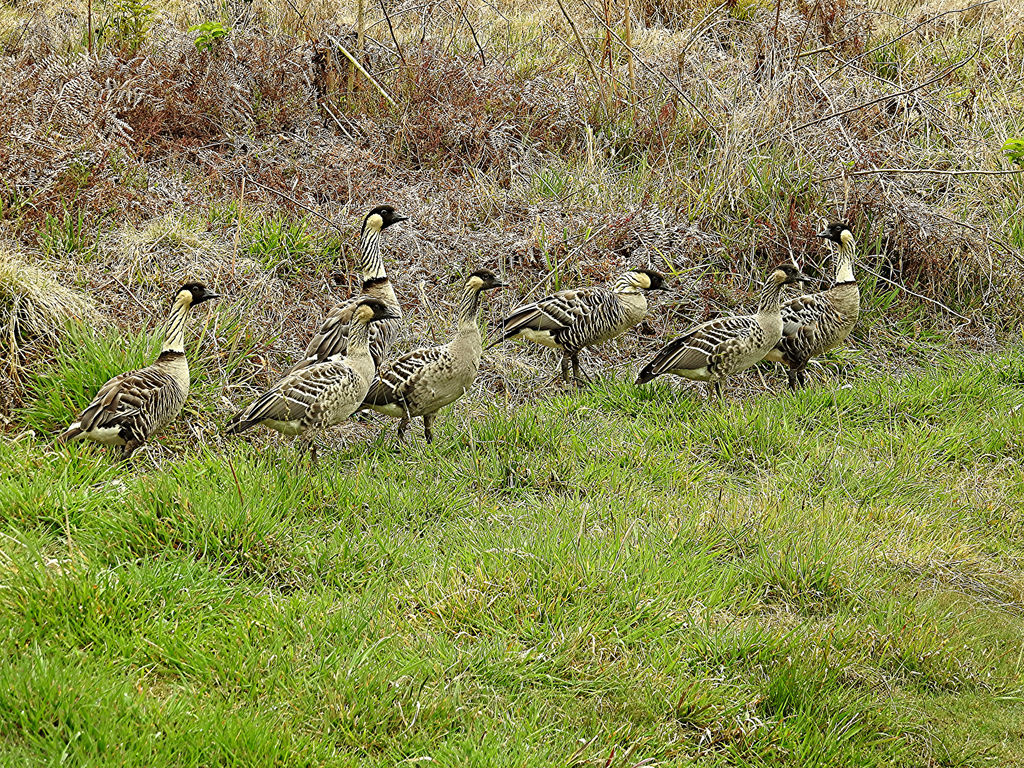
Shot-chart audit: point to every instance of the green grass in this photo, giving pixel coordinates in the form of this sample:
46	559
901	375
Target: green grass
827	578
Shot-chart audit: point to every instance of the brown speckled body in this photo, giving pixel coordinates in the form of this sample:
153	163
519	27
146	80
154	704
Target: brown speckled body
425	380
719	348
574	320
815	323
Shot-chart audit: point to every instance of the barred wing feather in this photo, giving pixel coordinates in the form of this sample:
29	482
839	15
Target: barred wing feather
702	346
558	312
395	380
136	400
331	339
300	396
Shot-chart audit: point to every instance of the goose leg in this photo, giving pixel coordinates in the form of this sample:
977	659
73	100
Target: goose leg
802	376
130	447
720	390
794	379
577	369
565	367
428	427
403	426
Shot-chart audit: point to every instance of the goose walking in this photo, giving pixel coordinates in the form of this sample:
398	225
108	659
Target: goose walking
815	323
721	347
331	338
421	382
574	320
320	395
133	406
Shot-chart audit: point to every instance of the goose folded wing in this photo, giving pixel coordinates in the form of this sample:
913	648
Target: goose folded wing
395	380
554	313
126	397
297	395
804	310
331	338
703	345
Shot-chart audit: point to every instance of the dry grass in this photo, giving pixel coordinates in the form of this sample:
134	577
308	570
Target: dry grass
518	149
34	307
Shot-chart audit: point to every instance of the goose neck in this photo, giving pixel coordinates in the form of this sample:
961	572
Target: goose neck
771	297
844	267
174	338
469	309
370	262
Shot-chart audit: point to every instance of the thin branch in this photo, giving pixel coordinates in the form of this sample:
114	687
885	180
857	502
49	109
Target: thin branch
387	18
292	200
910	31
914	293
883	171
653	70
832	115
365	74
583	49
480	48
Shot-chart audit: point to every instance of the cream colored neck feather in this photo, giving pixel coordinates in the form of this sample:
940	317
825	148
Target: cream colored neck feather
847	249
370	262
174	339
468	310
624	284
358	338
771	295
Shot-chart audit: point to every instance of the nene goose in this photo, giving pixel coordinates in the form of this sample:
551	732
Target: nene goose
814	324
133	406
718	348
332	337
421	382
320	395
576	319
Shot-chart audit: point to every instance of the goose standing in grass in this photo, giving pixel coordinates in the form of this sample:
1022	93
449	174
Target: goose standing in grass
133	406
576	319
332	337
421	382
815	323
719	348
321	395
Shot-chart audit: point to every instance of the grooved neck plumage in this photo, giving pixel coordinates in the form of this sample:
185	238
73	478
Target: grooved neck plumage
624	284
771	296
358	337
370	262
174	338
469	308
844	267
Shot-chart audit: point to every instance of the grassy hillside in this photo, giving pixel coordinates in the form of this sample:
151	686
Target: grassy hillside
624	577
615	577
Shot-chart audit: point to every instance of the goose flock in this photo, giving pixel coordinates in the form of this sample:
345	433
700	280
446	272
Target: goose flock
346	366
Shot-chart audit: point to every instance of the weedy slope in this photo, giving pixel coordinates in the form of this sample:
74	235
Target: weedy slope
615	577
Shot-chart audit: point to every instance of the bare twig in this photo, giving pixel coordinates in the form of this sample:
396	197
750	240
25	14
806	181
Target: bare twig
832	115
910	31
292	200
391	30
583	50
364	73
653	70
915	294
886	171
480	48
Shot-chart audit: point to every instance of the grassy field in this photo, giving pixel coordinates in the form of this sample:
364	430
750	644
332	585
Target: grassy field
615	577
621	577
